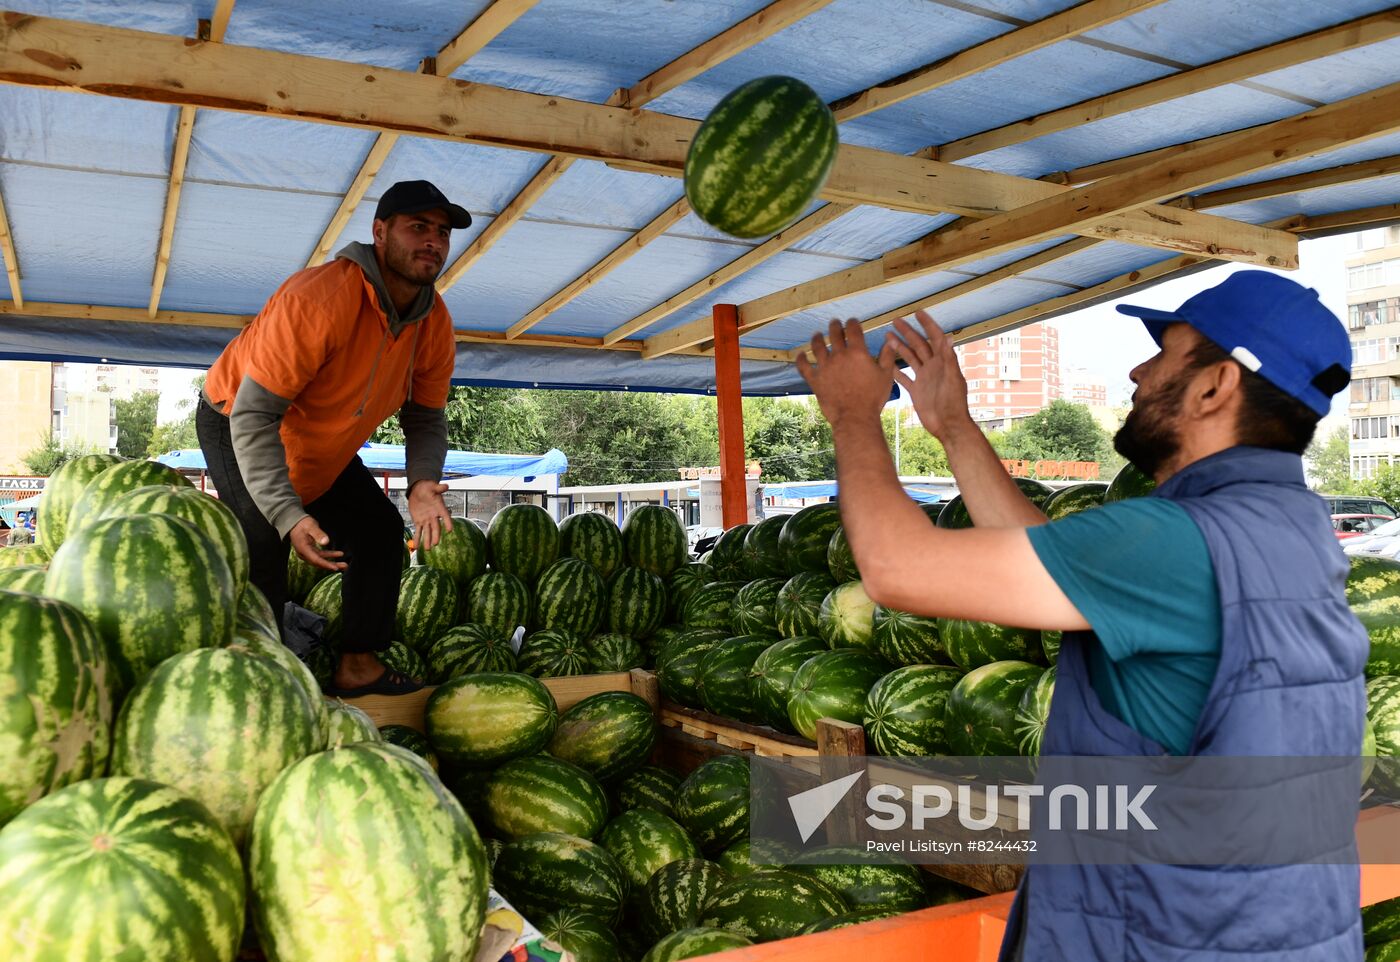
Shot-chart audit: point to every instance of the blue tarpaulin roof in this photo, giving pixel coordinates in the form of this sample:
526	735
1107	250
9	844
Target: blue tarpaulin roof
390	457
85	179
827	489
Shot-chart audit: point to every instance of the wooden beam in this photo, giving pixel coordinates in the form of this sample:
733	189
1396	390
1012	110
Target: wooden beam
1320	43
139	315
359	185
1362	217
7	251
733	475
998	50
597	344
488	25
218	23
1297	183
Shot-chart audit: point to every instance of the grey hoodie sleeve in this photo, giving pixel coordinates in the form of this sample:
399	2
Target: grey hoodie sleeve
255	427
424	440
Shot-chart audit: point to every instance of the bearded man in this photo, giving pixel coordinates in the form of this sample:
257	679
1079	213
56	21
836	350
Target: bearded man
1209	619
334	352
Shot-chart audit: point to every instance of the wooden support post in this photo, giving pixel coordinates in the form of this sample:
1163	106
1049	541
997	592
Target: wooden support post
840	746
732	481
646	687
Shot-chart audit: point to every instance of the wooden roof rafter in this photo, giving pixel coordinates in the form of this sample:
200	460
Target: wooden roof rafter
11	259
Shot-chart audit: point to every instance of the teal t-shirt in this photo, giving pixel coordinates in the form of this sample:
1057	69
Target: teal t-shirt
1140	573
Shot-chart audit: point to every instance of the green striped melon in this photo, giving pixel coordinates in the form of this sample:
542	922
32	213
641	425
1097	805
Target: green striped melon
461	554
327	600
114	482
1384	952
797	610
349	725
905	710
482	720
539	793
866	880
404	660
1050	645
205	512
755	607
302	577
653	540
255	614
659	640
981	710
272	649
763	549
713	803
711	606
847	919
412	739
772	904
499	601
569	596
1373	591
20	555
693	942
839	560
684	582
833	685
747	856
643	841
727	558
551	871
361	853
649	786
1033	711
1074	499
57	703
1383	711
467	650
972	644
636	602
954	513
904	639
61	492
770	679
593	538
28	579
674	895
678	672
607	735
723	682
614	652
427	607
152	585
586	937
684	639
1368	751
806	536
119	868
551	653
1129	482
217	724
523	540
760	157
847	617
1380	922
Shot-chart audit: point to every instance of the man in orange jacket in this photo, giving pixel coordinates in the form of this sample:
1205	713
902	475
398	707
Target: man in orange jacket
335	351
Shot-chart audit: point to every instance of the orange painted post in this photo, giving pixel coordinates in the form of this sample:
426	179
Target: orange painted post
732	482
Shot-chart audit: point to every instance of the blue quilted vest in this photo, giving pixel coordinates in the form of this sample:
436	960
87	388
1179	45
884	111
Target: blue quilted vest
1289	683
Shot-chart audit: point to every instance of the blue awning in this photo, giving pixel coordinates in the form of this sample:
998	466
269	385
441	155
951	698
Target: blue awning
390	457
827	489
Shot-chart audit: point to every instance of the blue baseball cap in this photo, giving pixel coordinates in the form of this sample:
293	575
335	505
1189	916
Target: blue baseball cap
1271	325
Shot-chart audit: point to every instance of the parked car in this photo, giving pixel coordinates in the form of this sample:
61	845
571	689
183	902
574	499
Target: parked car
1383	542
700	532
1358	504
1351	525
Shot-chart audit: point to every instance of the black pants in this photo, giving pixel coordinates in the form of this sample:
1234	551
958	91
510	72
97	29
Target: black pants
356	515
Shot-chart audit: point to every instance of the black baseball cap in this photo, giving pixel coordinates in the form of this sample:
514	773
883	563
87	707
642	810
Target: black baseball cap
416	196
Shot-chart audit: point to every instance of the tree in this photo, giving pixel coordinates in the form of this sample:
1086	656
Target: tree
136	421
1062	431
920	453
180	434
1384	484
1329	463
790	438
491	420
49	455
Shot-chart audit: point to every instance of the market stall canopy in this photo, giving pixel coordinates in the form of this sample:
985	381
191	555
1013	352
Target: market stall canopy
390	457
1002	162
9	509
800	490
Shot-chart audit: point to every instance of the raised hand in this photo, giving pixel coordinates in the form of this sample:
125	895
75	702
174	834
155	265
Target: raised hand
938	388
846	379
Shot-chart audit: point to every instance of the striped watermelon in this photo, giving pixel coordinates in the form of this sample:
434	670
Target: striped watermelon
279	654
427	607
760	157
798	607
904	639
1074	499
412	739
1050	645
112	483
585	937
675	894
477	721
607	735
755	607
763	549
217	724
772	904
694	942
747	856
806	535
349	725
1373	591
543	794
653	539
770	680
57	703
570	597
954	513
1380	922
1129	482
643	841
972	644
551	653
206	513
711	606
839	560
28	579
659	639
466	650
1383	711
461	554
524	540
1033	711
683	582
904	711
678	671
551	871
713	803
847	919
866	880
361	853
727	558
152	585
119	868
301	577
684	639
404	660
650	787
20	555
61	492
833	685
1368	751
255	614
327	599
981	710
499	601
847	617
593	538
636	602
1384	952
723	683
614	652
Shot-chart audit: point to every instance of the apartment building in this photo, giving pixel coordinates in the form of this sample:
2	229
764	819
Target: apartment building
1373	322
1013	374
